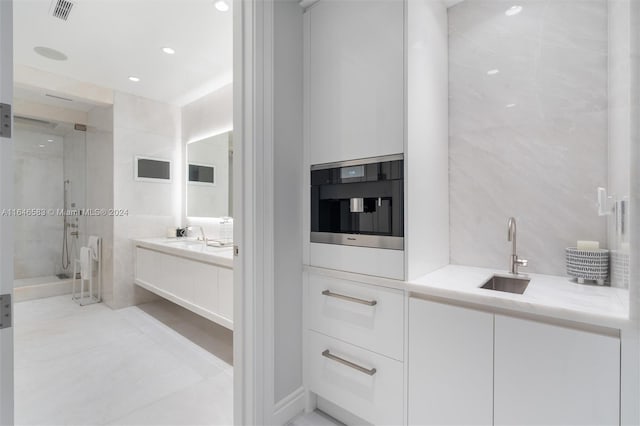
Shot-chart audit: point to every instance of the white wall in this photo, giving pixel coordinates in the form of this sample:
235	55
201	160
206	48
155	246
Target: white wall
288	201
147	128
100	189
210	115
531	140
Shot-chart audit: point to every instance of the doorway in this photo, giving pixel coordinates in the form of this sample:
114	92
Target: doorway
146	89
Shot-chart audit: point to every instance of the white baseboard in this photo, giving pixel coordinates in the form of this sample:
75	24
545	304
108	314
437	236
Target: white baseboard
289	407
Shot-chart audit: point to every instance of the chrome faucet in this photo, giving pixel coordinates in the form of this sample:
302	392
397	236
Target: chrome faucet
204	237
511	236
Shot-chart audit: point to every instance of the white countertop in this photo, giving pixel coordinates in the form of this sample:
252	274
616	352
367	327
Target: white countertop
546	295
189	248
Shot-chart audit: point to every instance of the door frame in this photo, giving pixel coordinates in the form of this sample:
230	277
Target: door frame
6	222
254	212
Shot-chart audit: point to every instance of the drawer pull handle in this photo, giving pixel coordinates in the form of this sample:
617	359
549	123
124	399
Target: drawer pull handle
367	371
350	299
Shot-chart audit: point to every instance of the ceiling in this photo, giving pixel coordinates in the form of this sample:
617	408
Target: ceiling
107	41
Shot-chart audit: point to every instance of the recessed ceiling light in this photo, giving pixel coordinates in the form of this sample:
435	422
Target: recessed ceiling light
134	79
50	53
168	50
41	146
49	140
493	72
221	5
513	10
510	105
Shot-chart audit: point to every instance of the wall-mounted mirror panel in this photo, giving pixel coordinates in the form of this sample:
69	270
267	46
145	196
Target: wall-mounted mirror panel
209	176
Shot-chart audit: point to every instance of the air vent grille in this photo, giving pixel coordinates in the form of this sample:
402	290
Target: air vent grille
61	9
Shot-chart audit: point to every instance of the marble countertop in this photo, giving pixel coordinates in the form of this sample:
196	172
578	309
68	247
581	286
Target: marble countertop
546	295
189	248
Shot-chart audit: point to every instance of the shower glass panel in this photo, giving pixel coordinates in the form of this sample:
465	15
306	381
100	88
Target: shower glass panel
49	193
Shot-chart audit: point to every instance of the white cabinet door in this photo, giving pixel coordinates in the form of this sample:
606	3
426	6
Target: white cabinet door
450	365
362	382
368	316
551	375
355	79
225	294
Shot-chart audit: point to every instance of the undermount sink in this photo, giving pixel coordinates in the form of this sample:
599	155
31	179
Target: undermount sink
515	285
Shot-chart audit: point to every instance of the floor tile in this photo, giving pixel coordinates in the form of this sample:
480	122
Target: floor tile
92	365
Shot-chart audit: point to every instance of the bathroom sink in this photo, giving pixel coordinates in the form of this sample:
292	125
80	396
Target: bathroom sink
507	284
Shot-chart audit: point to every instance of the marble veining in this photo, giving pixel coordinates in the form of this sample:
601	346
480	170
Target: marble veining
528	129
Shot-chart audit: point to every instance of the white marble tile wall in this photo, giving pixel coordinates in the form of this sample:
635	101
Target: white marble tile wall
528	129
147	128
100	189
38	173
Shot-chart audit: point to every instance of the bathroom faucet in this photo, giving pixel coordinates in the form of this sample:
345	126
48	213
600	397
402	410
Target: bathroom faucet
204	237
511	236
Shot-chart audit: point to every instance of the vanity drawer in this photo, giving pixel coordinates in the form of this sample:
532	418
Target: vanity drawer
360	381
364	315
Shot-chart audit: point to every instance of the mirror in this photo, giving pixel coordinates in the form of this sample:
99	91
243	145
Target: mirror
210	176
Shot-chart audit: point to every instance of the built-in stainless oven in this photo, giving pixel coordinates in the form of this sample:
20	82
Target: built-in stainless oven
359	203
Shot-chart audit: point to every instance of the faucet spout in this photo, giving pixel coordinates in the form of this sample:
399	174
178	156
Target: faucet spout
515	261
204	237
511	234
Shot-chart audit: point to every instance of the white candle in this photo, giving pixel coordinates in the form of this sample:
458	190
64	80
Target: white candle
588	245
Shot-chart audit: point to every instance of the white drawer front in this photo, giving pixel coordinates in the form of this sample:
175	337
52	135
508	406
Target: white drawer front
376	397
379	327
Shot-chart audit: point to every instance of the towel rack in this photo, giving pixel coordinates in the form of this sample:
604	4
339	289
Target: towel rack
90	296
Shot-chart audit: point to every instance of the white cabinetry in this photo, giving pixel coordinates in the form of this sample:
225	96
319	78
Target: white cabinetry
355	347
473	367
201	287
355	80
450	365
361	314
376	84
551	375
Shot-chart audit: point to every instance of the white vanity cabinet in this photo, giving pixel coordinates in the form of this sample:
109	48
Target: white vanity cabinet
450	365
355	79
355	347
202	287
552	375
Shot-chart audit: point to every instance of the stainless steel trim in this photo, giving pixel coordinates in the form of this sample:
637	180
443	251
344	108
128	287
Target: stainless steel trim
329	293
348	163
356	205
367	371
359	240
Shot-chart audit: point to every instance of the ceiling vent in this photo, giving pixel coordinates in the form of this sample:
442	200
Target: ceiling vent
61	9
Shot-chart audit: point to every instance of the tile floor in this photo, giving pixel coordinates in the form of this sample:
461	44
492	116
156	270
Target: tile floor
144	365
316	418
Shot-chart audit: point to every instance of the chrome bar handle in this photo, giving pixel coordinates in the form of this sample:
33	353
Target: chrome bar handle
328	293
367	371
